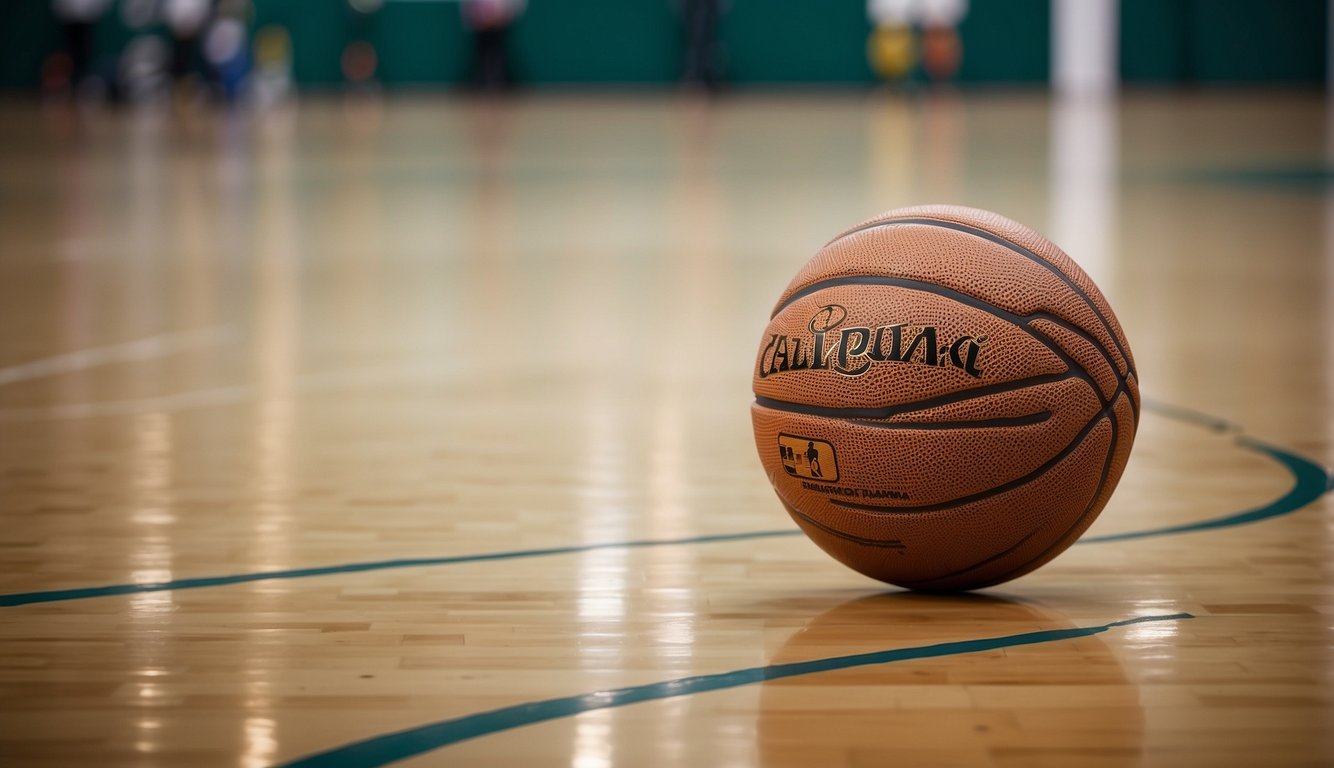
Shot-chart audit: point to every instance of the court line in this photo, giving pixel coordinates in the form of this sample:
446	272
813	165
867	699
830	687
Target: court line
1182	413
198	398
147	348
400	745
58	595
1310	482
220	396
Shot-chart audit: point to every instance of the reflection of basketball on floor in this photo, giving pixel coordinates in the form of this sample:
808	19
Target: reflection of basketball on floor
951	710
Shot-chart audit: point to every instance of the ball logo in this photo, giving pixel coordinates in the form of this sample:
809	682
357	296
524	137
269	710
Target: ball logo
829	317
851	351
808	457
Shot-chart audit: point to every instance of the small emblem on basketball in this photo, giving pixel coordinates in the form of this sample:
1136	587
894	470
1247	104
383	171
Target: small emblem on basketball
828	318
808	457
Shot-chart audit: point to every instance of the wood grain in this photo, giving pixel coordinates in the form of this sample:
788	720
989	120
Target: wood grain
363	332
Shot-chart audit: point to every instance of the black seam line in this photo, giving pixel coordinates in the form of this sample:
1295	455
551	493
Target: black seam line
1134	402
1017	321
1122	379
1012	246
1081	333
1021	568
1102	483
981	563
999	489
882	543
1001	422
890	411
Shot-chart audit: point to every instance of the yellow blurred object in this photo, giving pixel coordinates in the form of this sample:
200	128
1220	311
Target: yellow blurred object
273	46
892	51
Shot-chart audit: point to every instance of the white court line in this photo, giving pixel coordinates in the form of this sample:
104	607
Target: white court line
200	398
231	395
139	350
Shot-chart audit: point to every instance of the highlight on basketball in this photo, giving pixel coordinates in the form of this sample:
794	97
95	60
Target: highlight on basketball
666	383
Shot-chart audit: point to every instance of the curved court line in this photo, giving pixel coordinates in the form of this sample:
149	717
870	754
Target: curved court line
148	348
392	747
1310	482
1198	418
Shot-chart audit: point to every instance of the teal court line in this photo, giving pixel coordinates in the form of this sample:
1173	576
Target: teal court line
1310	482
1182	413
392	747
58	595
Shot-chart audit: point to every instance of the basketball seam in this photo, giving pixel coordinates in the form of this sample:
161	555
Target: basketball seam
1081	333
999	422
1014	248
881	543
1037	560
1005	487
980	564
1018	321
1123	379
1019	570
890	411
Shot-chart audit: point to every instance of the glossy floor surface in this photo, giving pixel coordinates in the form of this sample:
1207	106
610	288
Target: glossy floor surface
271	384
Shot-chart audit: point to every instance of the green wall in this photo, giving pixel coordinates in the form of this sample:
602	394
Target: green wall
1223	41
1007	42
419	43
27	33
598	41
796	41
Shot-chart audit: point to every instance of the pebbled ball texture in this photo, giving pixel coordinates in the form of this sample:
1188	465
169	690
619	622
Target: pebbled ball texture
944	400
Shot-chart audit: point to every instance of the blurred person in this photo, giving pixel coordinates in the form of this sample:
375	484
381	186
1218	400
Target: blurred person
360	60
896	48
271	72
490	22
142	70
78	20
942	49
703	51
892	48
185	19
226	47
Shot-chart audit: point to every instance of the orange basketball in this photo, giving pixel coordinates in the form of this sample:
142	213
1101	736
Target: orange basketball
943	399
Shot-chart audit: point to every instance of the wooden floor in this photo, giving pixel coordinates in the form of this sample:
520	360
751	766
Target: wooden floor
234	348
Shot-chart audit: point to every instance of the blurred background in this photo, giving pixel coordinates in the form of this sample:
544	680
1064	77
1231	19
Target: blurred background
261	51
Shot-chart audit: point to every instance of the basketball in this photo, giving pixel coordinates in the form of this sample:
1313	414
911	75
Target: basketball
943	399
